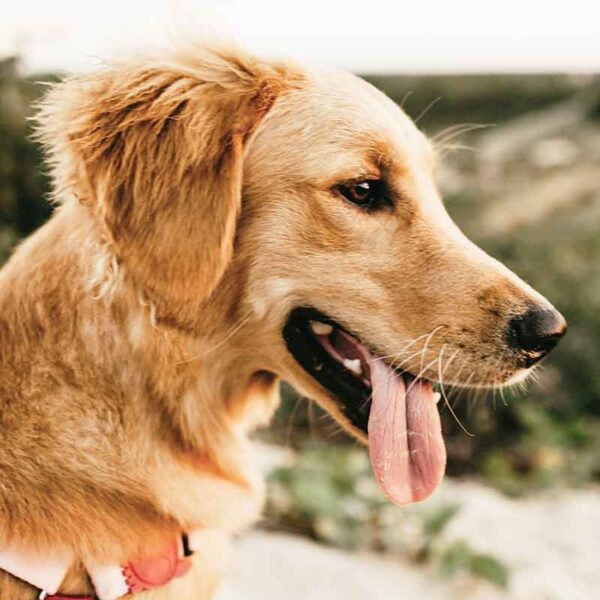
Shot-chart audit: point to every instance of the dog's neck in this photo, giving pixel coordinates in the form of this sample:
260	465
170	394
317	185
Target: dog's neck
207	387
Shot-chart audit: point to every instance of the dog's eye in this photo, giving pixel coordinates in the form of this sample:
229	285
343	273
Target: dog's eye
369	194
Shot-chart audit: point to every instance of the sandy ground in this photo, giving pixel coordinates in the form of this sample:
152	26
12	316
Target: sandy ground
550	542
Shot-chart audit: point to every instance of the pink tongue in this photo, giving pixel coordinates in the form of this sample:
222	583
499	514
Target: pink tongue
406	447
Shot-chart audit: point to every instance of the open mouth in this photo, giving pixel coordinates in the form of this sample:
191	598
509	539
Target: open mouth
396	410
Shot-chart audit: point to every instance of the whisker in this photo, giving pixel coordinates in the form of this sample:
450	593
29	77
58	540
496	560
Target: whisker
290	423
417	377
502	396
424	351
405	98
426	109
399	365
446	401
406	347
449	361
453	132
229	334
450	129
446	148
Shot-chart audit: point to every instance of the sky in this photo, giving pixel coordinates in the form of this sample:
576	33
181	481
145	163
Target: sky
366	36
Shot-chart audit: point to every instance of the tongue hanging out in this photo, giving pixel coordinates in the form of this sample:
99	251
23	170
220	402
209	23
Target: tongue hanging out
406	447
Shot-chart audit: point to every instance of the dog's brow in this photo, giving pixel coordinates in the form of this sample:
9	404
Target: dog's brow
371	167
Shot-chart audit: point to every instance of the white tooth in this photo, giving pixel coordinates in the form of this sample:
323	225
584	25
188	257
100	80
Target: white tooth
321	328
437	397
353	365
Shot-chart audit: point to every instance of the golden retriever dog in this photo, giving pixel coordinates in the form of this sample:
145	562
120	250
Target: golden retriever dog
223	222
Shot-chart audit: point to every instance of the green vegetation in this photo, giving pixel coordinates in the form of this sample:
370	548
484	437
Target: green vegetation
329	494
459	557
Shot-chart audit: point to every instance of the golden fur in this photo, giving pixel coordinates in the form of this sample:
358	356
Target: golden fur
140	328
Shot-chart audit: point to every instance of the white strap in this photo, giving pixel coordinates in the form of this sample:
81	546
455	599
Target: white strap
42	570
109	581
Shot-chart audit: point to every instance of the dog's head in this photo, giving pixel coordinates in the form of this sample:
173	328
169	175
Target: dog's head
368	287
308	201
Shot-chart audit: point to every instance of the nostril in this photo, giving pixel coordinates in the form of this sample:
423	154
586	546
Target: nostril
536	332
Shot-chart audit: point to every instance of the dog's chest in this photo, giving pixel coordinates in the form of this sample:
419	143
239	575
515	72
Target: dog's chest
196	493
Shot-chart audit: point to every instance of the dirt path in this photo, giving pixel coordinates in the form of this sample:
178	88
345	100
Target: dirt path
550	542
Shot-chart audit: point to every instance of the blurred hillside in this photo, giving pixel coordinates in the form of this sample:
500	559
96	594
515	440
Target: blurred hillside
526	187
23	184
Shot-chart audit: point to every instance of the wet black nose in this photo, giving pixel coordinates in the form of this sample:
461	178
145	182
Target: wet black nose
536	332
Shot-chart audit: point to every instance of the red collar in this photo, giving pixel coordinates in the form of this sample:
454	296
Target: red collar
44	596
110	582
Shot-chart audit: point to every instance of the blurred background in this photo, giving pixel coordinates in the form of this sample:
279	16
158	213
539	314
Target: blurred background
510	94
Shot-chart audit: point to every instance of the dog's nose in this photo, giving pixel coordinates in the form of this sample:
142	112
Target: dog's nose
536	332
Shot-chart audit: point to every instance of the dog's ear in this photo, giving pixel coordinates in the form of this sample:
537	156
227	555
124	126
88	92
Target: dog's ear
156	151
